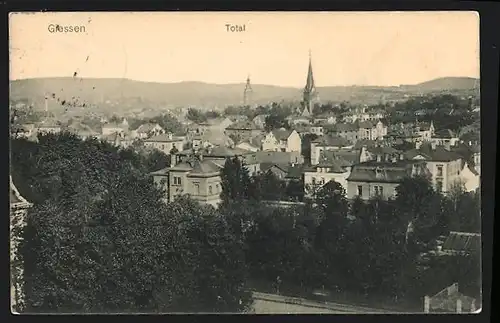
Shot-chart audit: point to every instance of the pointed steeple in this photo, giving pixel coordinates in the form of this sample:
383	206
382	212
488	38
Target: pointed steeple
310	78
247	93
309	90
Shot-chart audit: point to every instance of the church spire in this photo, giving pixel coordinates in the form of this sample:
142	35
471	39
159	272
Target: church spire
309	90
247	93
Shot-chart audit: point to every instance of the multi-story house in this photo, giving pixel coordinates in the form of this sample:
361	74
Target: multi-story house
219	154
348	131
381	177
242	131
444	165
371	130
282	140
196	177
445	138
148	130
327	143
332	165
424	131
165	142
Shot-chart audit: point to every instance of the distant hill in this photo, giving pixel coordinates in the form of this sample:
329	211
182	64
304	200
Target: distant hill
124	94
444	84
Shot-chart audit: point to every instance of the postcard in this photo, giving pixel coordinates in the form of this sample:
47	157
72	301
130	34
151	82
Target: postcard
245	162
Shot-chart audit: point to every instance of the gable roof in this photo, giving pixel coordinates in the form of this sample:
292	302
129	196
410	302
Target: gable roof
278	157
282	134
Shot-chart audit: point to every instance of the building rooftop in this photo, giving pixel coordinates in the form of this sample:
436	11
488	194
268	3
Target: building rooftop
439	154
462	242
164	138
331	141
282	134
382	172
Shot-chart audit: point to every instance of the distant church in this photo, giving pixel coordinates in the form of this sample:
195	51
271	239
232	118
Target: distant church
247	93
310	95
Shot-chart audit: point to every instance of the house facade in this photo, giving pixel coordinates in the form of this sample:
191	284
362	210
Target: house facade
445	138
330	167
165	143
444	165
381	178
371	130
282	140
327	143
196	177
348	131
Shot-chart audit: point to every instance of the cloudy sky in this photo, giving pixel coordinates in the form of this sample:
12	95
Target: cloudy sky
348	48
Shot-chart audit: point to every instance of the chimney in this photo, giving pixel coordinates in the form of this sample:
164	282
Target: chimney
401	157
173	160
379	158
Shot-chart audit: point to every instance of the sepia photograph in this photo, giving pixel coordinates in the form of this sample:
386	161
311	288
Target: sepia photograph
245	162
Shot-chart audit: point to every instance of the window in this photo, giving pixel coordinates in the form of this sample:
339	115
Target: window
210	190
379	190
177	180
440	170
197	188
314	181
216	188
322	180
439	185
360	190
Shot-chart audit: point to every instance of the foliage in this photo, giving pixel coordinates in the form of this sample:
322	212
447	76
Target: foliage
168	123
100	238
306	145
235	181
196	115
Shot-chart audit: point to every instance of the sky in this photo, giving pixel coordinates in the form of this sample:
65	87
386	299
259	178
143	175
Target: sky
347	48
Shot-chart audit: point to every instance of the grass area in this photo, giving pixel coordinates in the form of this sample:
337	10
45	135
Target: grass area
342	297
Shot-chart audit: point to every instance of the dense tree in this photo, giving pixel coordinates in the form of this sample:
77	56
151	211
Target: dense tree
168	122
235	181
306	145
275	121
100	238
196	115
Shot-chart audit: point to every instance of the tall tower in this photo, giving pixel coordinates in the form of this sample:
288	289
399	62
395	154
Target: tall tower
247	93
309	94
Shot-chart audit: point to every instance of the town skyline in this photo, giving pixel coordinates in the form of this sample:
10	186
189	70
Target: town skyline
385	56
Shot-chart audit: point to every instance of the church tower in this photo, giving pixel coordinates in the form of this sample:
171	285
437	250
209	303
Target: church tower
309	95
247	93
